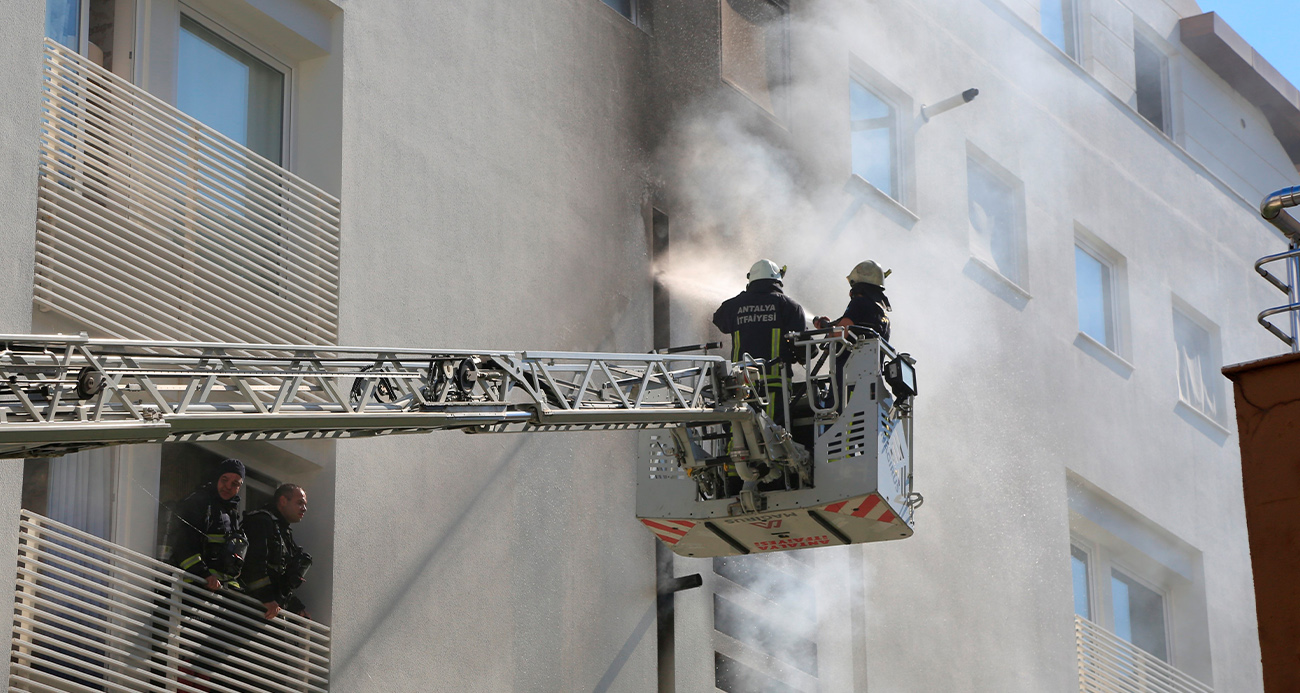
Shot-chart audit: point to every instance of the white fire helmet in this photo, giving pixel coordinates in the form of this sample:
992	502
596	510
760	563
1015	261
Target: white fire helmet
765	269
868	273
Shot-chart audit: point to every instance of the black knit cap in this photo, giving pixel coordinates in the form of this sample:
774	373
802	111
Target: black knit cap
229	466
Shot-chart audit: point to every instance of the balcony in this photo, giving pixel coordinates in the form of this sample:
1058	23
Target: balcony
153	225
1110	664
90	615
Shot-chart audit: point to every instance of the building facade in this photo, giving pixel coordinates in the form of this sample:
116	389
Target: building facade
1071	256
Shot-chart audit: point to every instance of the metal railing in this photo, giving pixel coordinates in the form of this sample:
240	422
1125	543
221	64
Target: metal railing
90	615
1110	664
153	225
1273	209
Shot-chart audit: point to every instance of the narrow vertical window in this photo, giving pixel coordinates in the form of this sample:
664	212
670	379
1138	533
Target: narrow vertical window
1139	614
1058	25
1079	571
1198	378
661	317
994	210
754	49
872	128
230	90
1095	293
1152	80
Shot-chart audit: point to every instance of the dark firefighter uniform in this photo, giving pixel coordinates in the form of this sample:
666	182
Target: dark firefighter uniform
206	538
276	565
757	320
867	307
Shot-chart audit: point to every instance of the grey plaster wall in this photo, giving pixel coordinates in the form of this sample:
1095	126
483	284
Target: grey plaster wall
20	49
492	183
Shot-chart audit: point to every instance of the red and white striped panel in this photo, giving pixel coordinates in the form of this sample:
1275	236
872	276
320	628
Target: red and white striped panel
671	531
868	507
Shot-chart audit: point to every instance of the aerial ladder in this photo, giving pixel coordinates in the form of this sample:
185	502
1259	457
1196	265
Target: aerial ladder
716	475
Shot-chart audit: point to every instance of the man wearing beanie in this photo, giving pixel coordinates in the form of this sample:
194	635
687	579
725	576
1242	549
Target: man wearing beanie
205	532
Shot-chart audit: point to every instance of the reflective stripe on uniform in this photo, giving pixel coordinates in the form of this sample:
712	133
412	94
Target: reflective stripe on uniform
217	538
191	561
259	584
735	346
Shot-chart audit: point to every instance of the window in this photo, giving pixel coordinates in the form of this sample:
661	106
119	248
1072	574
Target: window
63	22
995	206
1133	581
1094	289
231	90
1058	25
1199	384
627	8
1139	614
754	44
1082	583
873	126
1152	81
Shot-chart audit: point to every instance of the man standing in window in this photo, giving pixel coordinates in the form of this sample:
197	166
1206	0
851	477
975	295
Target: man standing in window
867	301
276	565
757	320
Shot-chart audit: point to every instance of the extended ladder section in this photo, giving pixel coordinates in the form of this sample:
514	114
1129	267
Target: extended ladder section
60	394
831	465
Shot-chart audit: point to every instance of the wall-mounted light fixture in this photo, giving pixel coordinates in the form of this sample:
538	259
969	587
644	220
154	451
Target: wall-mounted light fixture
928	112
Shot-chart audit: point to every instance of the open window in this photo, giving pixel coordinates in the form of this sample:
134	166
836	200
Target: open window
755	45
996	209
1196	340
1152	81
1059	20
102	30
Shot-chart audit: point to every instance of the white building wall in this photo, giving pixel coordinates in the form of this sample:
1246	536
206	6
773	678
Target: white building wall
497	162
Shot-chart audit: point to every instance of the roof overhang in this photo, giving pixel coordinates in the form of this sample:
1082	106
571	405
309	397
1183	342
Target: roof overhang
1232	58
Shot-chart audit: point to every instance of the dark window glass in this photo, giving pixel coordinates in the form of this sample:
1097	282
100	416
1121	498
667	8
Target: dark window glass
1150	81
627	8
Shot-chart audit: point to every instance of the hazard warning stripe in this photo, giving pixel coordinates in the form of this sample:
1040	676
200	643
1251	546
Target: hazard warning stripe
671	531
868	504
656	525
864	508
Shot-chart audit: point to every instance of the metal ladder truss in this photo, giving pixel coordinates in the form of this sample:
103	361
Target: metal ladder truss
60	394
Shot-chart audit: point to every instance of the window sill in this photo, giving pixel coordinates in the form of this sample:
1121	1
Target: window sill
897	212
1217	430
1102	353
1004	279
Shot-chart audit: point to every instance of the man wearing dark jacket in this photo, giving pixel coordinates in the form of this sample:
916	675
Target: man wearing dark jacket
276	565
757	320
205	536
867	301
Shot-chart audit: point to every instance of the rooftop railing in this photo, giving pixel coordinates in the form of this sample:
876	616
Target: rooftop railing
90	615
153	225
1110	664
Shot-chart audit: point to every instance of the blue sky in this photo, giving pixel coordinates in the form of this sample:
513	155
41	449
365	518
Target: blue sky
1271	26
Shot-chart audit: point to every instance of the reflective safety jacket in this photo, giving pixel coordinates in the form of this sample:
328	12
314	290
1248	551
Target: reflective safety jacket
199	530
275	565
756	319
867	307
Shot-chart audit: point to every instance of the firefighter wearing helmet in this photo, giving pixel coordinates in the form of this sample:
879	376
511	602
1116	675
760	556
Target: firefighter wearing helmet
868	304
757	320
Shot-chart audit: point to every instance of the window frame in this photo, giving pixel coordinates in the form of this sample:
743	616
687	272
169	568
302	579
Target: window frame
1072	31
1089	551
902	136
1214	341
276	62
1020	240
780	105
1117	564
1171	119
1117	267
